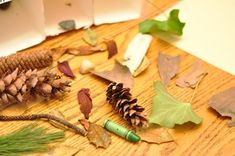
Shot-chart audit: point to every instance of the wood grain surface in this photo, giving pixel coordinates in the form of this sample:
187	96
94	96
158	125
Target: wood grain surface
212	137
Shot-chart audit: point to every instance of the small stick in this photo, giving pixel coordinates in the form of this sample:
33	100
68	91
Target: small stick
44	116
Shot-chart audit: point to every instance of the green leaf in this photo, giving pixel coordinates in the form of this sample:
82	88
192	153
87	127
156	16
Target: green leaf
90	37
172	25
168	111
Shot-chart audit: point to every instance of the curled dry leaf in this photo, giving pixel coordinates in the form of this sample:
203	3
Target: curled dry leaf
120	74
154	134
97	135
136	51
191	78
111	47
168	67
224	104
86	66
65	68
85	50
67	25
90	37
143	66
58	114
85	101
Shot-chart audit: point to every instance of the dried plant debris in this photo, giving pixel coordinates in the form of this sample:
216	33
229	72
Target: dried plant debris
168	67
122	102
60	115
29	139
24	61
172	25
119	74
90	37
136	51
168	111
85	101
85	50
97	135
5	5
60	150
224	104
143	66
111	47
65	69
154	134
18	87
86	66
191	78
67	25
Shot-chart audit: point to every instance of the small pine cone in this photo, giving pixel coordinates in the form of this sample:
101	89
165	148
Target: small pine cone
120	99
25	61
18	87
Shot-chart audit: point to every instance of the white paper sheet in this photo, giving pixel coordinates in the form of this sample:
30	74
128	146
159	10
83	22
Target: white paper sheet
81	11
209	32
18	29
110	11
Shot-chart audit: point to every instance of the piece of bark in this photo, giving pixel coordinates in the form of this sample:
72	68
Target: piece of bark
168	67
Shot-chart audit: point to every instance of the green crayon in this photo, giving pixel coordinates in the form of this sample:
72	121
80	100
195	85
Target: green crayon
121	131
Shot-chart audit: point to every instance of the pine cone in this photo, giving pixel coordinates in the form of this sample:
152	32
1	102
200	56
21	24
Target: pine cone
19	87
25	61
120	99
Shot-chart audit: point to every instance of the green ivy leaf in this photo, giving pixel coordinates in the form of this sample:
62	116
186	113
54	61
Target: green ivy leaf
168	111
171	25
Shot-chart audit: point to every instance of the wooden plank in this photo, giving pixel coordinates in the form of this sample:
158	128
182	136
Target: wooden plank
212	137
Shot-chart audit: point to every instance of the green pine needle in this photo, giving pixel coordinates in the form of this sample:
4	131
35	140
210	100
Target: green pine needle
29	139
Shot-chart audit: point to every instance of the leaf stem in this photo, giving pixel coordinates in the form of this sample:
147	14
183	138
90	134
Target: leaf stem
44	116
196	87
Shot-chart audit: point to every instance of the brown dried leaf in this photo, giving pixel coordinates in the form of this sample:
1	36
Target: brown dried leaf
85	123
111	47
119	74
224	104
65	68
154	134
59	150
168	67
85	50
85	101
90	37
191	78
143	66
97	135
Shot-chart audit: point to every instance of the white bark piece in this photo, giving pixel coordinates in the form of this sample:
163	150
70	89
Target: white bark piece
136	51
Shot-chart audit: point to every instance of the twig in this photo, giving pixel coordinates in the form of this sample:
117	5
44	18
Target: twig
44	116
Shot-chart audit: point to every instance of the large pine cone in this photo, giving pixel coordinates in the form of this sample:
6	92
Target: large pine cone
18	87
26	60
120	99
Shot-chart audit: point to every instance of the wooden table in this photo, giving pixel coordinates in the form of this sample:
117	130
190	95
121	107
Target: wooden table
212	137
